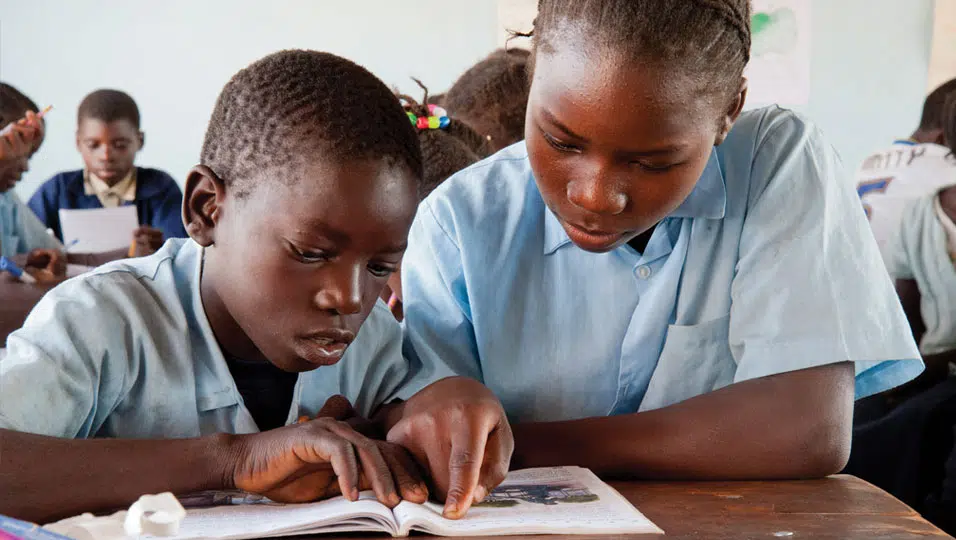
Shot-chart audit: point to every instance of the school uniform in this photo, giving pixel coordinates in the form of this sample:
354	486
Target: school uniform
20	230
924	249
767	267
156	195
127	351
890	179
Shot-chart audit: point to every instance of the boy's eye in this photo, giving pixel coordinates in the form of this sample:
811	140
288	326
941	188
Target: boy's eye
381	270
558	145
121	146
309	256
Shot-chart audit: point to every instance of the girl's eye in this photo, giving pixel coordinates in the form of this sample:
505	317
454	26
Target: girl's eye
558	145
381	270
653	168
309	256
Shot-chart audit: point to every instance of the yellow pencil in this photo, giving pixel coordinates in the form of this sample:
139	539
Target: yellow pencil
132	249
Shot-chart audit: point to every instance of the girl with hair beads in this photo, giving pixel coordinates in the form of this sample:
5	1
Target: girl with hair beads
448	146
669	286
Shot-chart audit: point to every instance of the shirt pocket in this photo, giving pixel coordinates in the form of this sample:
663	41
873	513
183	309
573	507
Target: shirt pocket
695	360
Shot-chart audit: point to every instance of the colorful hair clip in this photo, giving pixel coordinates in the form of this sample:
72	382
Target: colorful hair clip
437	118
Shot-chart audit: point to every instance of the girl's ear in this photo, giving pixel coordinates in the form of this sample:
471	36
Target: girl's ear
733	112
202	204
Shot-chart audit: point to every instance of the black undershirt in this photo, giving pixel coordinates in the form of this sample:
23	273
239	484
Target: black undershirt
265	389
639	242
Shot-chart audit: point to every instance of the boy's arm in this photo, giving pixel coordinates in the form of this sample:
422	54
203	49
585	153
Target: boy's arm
790	425
18	300
45	478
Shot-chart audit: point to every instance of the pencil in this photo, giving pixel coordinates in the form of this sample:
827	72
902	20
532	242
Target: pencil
132	249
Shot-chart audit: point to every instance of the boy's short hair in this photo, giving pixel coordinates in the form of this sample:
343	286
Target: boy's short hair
932	117
13	104
493	94
276	112
108	105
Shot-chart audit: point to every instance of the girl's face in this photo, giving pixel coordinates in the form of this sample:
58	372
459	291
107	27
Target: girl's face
615	145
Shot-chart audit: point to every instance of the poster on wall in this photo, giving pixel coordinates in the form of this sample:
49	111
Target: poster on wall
779	70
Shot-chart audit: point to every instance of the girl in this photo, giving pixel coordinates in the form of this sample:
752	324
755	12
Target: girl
664	284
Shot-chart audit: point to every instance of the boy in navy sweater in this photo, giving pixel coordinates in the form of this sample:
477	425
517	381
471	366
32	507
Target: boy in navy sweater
108	137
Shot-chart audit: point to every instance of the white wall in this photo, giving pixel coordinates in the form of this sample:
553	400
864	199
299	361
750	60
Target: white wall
868	72
174	56
869	63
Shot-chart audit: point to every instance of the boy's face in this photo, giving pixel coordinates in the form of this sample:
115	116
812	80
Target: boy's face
295	266
108	148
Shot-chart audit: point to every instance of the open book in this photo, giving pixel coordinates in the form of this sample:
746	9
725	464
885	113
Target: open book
559	500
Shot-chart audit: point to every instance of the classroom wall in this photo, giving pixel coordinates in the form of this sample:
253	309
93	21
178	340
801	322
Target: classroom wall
869	60
174	56
868	72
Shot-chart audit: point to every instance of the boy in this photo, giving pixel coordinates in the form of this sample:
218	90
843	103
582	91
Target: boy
909	169
108	137
297	215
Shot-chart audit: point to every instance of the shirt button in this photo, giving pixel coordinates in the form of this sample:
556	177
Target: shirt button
643	272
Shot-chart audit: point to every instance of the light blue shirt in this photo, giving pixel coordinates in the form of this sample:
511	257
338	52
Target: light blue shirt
767	267
20	230
126	351
918	251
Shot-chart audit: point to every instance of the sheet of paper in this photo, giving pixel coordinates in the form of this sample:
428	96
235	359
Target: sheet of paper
97	230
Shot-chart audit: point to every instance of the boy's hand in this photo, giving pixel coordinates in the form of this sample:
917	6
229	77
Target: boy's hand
148	240
457	430
47	266
22	138
323	458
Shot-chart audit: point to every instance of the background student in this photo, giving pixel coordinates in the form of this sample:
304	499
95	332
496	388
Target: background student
108	137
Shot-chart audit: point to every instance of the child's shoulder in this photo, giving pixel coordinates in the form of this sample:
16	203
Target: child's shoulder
132	287
491	194
64	180
773	145
155	180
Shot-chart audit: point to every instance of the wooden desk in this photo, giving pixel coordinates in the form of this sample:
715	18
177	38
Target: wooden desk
840	507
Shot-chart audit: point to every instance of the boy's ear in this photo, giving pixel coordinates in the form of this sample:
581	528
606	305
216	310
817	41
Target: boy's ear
202	204
732	113
142	140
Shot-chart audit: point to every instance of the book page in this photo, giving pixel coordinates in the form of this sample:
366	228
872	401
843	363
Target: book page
567	500
251	516
96	230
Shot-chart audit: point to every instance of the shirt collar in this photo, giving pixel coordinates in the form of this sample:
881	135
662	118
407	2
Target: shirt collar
125	189
708	200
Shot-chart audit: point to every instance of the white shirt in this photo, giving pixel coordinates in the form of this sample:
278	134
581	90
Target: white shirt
891	178
126	351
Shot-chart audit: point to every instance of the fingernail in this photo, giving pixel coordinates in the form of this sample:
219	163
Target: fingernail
480	493
451	508
355	494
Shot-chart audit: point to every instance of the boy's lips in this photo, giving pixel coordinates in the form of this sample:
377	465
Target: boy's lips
326	347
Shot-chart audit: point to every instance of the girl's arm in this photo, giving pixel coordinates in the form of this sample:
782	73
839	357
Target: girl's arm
789	425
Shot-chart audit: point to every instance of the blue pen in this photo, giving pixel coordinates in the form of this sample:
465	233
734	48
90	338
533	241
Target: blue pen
71	244
6	265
